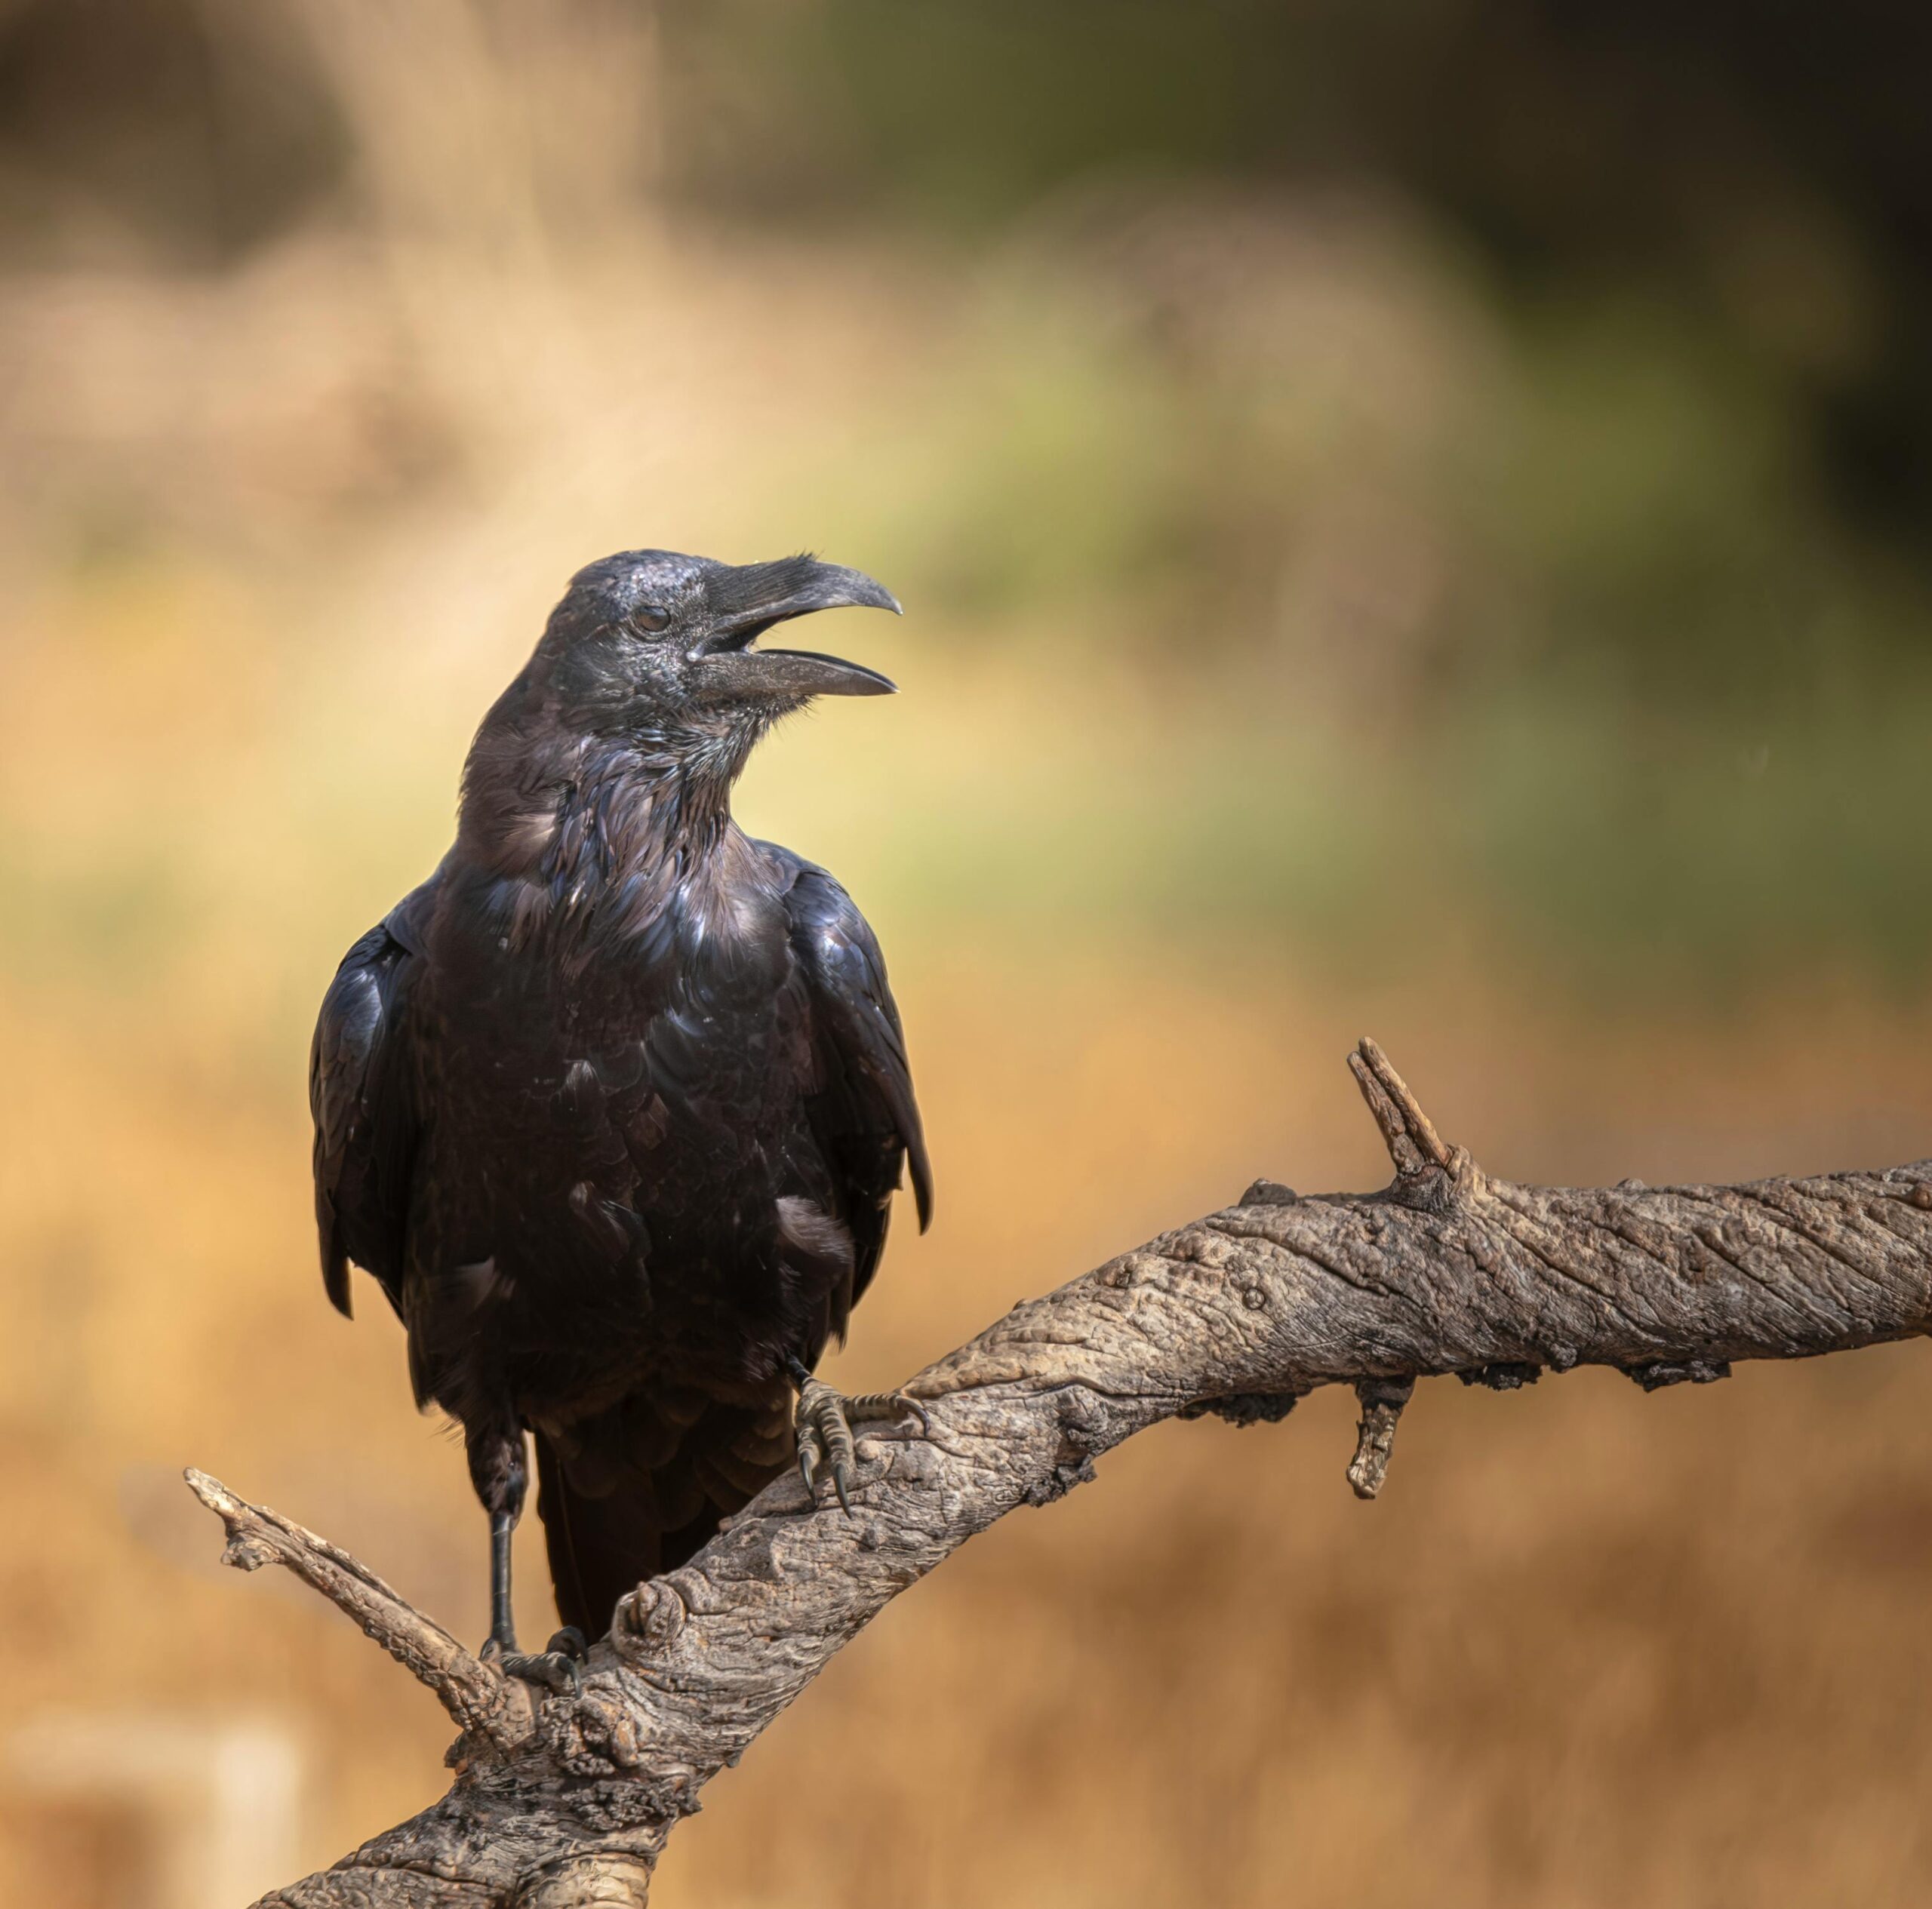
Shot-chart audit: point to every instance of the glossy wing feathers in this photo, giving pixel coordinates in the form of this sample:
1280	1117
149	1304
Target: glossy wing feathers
360	1096
862	1111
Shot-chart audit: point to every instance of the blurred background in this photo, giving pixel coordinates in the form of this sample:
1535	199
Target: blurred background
1413	520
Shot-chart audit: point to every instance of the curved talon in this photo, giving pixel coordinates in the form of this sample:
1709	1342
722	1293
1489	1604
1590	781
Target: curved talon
840	1447
556	1671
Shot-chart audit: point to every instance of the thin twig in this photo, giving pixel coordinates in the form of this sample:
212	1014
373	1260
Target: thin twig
1409	1134
482	1702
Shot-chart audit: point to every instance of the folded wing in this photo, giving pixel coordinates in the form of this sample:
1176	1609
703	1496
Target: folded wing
862	1111
361	1095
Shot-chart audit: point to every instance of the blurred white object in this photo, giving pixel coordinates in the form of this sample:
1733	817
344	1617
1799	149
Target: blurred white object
215	1802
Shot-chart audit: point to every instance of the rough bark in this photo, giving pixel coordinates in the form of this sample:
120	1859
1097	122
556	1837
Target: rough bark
568	1800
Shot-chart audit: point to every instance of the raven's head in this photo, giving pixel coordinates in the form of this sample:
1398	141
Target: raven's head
658	644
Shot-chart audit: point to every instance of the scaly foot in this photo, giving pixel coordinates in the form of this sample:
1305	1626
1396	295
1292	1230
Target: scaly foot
558	1668
823	1421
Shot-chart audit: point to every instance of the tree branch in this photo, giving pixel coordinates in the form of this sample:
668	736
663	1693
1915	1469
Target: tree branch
568	1800
479	1702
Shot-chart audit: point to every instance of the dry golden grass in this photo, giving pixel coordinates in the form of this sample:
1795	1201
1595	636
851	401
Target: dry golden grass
1591	1648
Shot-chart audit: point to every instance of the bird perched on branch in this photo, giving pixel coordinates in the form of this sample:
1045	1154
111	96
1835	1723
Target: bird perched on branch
613	1106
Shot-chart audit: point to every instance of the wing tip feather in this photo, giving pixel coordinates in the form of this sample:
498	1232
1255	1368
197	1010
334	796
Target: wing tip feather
335	1279
922	1183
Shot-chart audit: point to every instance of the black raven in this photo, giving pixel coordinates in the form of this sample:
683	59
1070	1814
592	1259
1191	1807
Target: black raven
614	1104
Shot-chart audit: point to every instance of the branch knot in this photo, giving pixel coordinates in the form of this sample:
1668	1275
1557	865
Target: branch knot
650	1619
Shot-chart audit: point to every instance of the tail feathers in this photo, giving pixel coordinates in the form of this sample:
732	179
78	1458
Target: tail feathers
618	1507
599	1548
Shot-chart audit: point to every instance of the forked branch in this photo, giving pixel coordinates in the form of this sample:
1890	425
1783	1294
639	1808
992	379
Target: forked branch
568	1801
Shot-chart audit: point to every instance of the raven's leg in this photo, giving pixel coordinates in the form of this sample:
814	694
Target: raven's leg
499	1468
823	1421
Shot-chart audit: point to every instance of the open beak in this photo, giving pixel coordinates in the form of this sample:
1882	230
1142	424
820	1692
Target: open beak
748	599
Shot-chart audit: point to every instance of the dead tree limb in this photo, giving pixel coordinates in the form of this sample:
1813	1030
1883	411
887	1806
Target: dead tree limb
567	1800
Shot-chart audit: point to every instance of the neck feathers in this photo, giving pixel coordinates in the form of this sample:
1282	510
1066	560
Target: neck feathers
594	827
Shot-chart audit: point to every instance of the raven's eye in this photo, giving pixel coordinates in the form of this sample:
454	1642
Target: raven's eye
653	620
